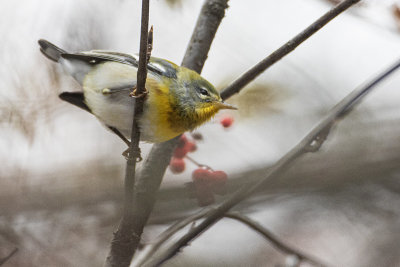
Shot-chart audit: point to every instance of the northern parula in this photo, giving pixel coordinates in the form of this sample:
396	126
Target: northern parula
178	99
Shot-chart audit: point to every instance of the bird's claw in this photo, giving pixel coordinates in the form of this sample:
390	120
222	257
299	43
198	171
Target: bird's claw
135	95
136	154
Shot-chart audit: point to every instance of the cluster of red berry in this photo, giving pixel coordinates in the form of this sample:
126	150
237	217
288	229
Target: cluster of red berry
206	182
177	164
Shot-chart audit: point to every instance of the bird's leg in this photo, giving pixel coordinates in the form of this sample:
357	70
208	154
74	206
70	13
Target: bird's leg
136	154
120	135
126	153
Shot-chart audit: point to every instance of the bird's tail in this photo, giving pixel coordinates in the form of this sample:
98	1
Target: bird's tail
50	51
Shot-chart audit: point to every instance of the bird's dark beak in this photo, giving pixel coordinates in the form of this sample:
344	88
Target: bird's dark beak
223	105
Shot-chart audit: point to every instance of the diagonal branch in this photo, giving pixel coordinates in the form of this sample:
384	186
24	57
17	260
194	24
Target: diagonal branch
315	136
272	238
127	236
211	15
285	49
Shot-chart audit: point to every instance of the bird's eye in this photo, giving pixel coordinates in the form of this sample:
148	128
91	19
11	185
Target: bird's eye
203	91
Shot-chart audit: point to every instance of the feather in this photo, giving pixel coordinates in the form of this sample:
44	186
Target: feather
75	98
51	51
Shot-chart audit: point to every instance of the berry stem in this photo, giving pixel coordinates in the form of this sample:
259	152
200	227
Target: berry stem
198	164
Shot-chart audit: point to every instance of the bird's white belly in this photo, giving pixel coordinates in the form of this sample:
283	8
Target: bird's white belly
117	111
115	108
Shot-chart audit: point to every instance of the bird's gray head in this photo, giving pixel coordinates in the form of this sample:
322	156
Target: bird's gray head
198	93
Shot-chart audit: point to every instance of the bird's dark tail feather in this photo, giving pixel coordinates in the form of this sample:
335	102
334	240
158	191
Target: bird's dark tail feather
75	98
50	51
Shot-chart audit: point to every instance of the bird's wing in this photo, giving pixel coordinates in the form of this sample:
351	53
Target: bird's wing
93	58
80	64
156	65
51	51
163	67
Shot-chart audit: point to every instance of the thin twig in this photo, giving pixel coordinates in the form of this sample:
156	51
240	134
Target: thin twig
288	47
198	164
6	258
168	233
272	238
127	236
314	136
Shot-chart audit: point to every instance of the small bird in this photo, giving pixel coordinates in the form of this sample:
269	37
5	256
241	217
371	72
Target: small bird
178	99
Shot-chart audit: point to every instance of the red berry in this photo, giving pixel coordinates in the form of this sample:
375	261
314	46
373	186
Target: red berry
226	121
201	175
202	181
180	152
190	146
177	165
219	177
182	141
218	181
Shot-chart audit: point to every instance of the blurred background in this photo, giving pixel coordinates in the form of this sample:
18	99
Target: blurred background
62	172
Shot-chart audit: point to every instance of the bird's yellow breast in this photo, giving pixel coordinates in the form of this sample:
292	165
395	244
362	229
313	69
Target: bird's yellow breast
157	111
166	116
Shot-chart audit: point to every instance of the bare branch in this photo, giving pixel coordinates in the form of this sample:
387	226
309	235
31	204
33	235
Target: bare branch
5	259
339	111
211	15
288	47
127	237
272	238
